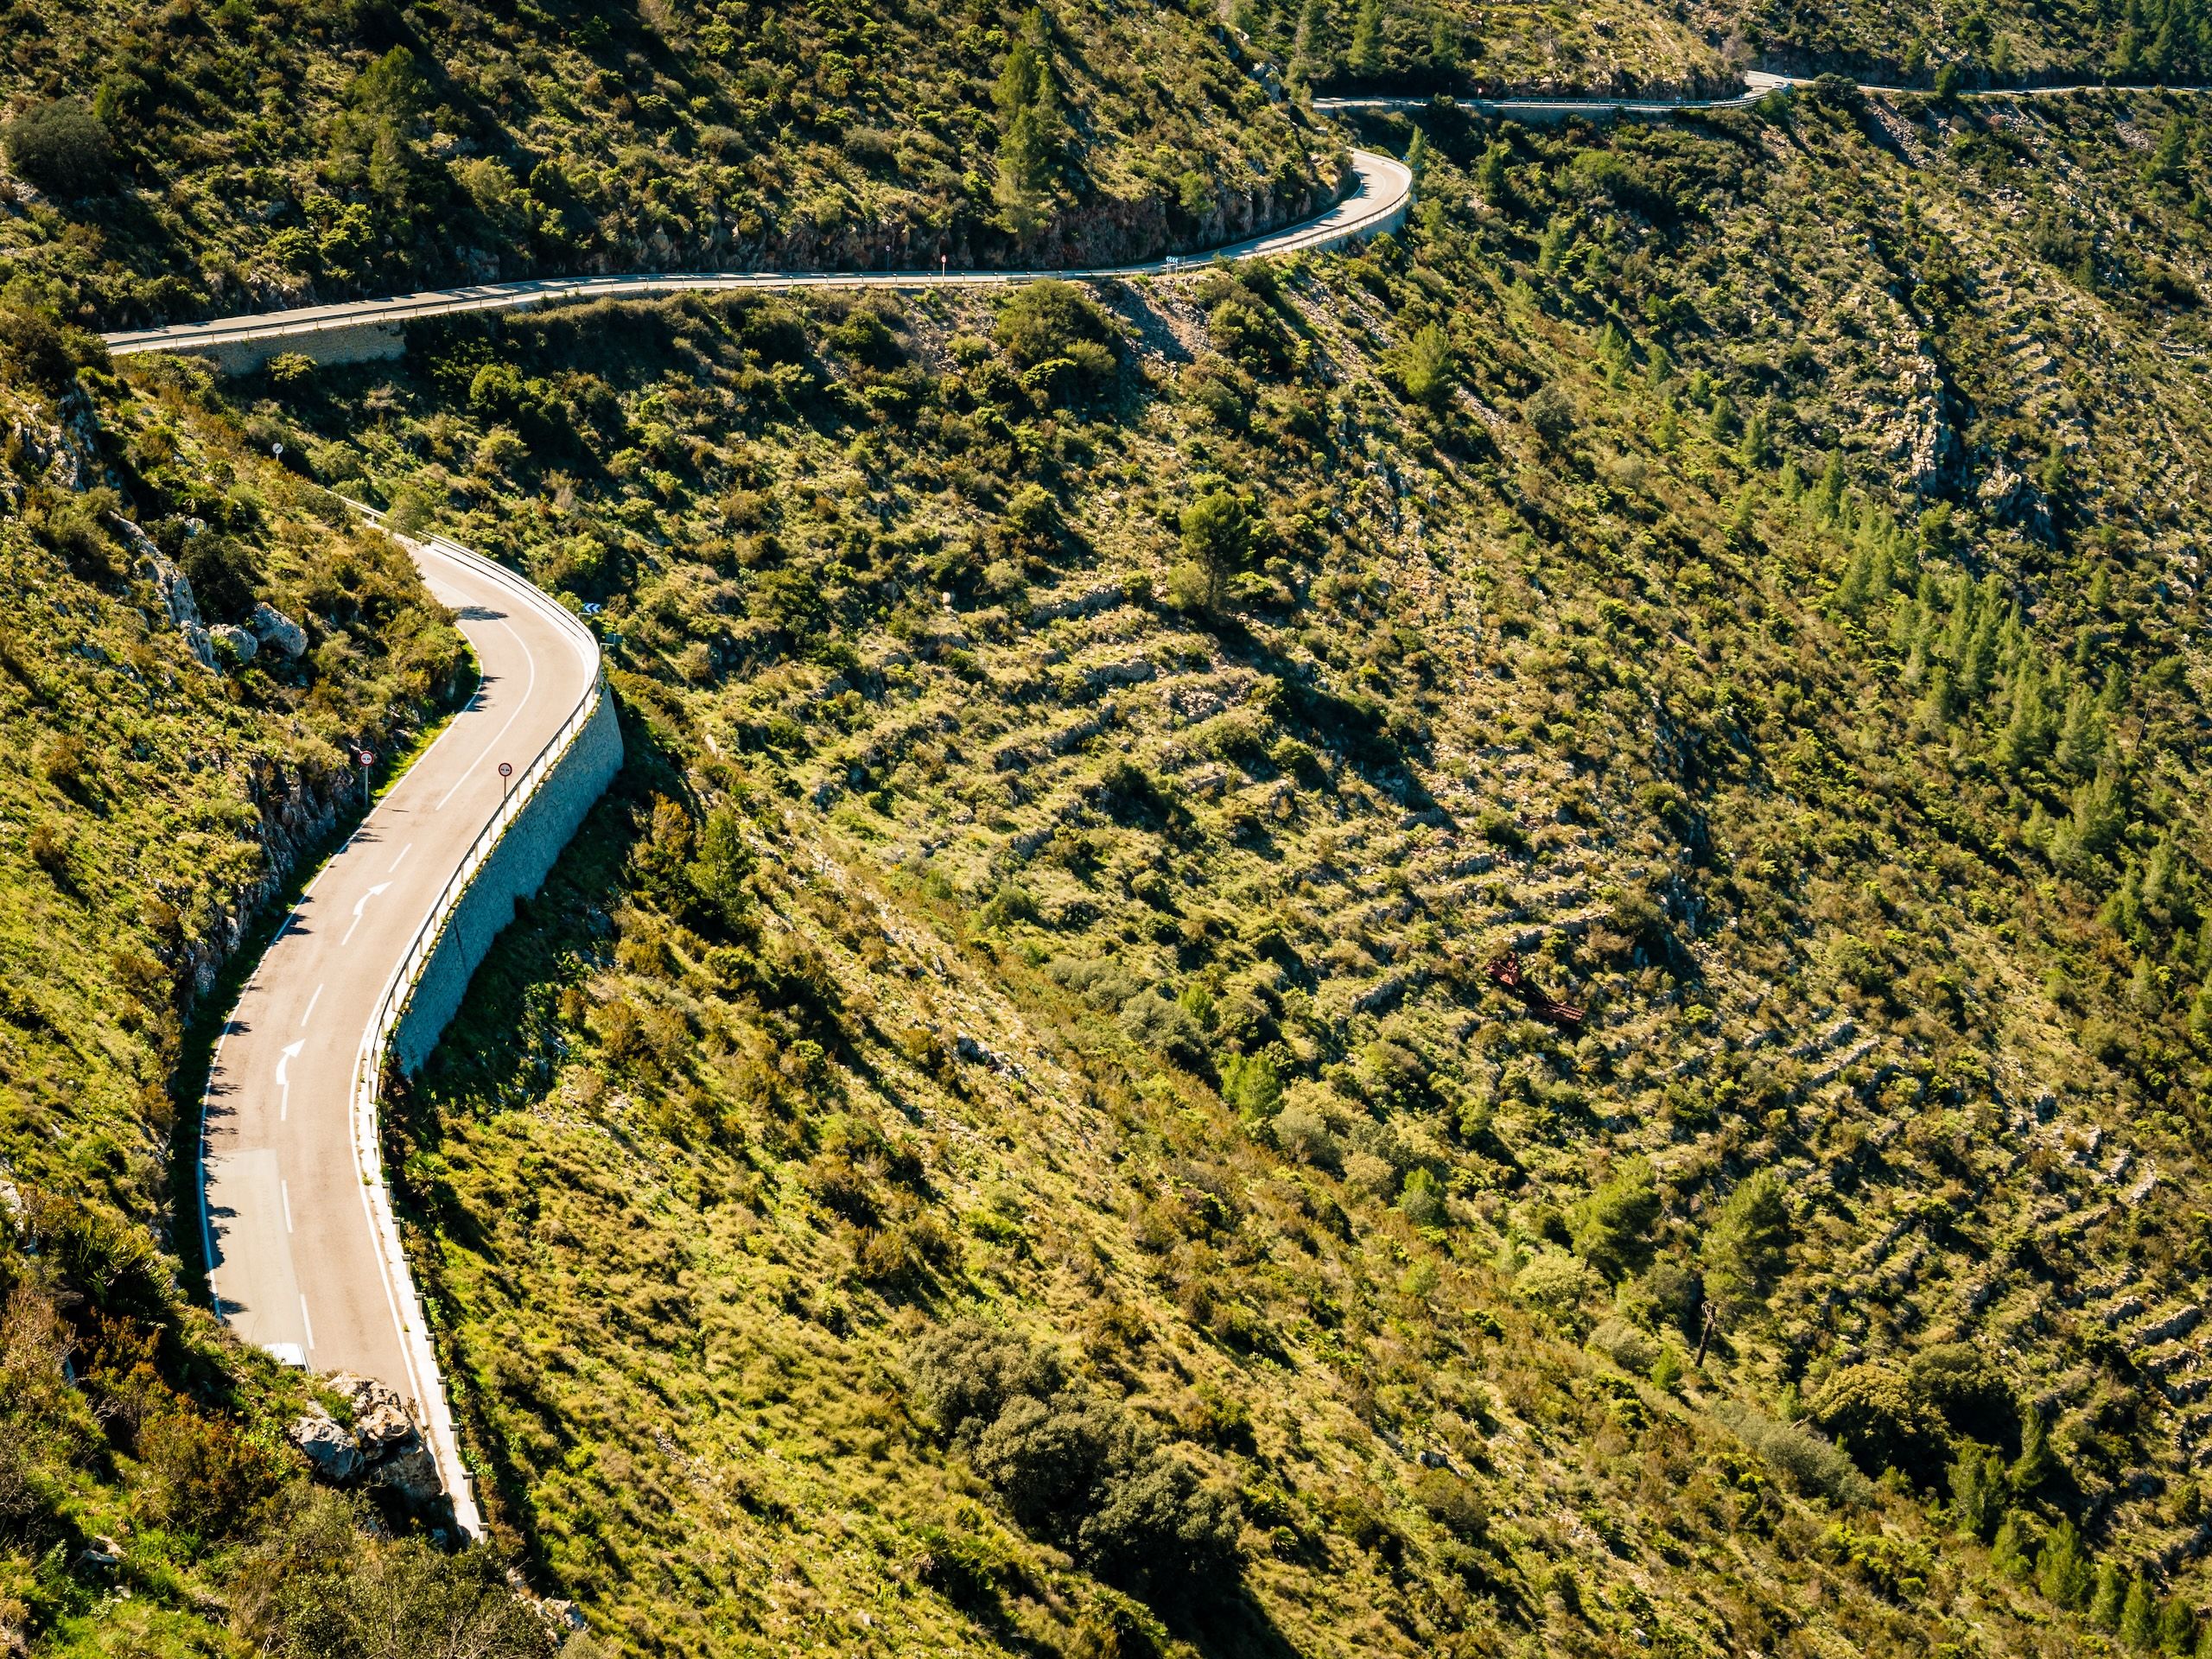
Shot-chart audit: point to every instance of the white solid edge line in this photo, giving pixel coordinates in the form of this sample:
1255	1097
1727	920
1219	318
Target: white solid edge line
418	1355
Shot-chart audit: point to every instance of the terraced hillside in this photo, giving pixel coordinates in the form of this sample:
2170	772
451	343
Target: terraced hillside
1009	1111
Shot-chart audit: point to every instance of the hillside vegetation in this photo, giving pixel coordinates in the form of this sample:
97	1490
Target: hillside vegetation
182	161
1000	1131
170	161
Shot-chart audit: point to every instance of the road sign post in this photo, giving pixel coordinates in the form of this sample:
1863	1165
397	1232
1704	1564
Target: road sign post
507	776
364	759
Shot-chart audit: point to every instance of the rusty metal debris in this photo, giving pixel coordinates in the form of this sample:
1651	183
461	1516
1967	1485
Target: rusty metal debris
1504	972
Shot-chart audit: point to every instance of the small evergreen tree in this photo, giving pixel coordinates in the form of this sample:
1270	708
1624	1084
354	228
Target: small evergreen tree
2110	1595
1033	136
1367	40
2013	1554
1217	538
2138	1615
1748	1242
1978	1492
1425	367
2062	1572
2177	1628
1612	1228
2036	1462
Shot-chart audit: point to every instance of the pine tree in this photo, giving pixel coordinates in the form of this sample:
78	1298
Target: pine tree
2177	1627
2099	812
2138	1617
2013	1554
2169	158
1748	1242
2081	735
1317	42
2036	1462
1491	179
1032	137
1829	498
1367	40
2200	1012
1977	1493
2063	1572
2111	1592
2026	737
2127	55
1444	50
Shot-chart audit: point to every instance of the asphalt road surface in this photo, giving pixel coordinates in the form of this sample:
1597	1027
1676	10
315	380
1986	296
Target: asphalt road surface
295	1260
1381	189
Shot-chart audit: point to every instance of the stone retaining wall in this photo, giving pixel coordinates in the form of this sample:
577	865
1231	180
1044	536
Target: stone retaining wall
517	867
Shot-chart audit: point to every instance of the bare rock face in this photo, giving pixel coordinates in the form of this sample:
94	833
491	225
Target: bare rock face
278	632
175	588
412	1473
334	1452
233	644
380	1421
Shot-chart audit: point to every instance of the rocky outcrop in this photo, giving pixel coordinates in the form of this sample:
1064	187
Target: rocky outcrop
233	644
276	631
335	1455
175	587
382	1449
2008	499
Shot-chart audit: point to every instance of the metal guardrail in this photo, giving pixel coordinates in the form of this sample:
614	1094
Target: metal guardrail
427	1381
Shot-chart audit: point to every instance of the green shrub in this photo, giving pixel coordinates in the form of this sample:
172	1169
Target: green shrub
1809	1462
1079	1470
1612	1228
1550	412
34	344
1045	320
61	147
1559	1287
1874	1412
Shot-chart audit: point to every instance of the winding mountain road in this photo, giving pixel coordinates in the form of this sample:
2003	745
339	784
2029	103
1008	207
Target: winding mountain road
302	1258
1381	189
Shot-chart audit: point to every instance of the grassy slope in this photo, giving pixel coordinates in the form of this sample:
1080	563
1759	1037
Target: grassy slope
1588	662
267	164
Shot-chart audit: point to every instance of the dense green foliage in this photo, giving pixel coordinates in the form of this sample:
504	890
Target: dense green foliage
255	156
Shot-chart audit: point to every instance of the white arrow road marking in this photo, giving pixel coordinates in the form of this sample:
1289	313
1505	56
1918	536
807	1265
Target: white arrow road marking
290	1052
309	1015
362	905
